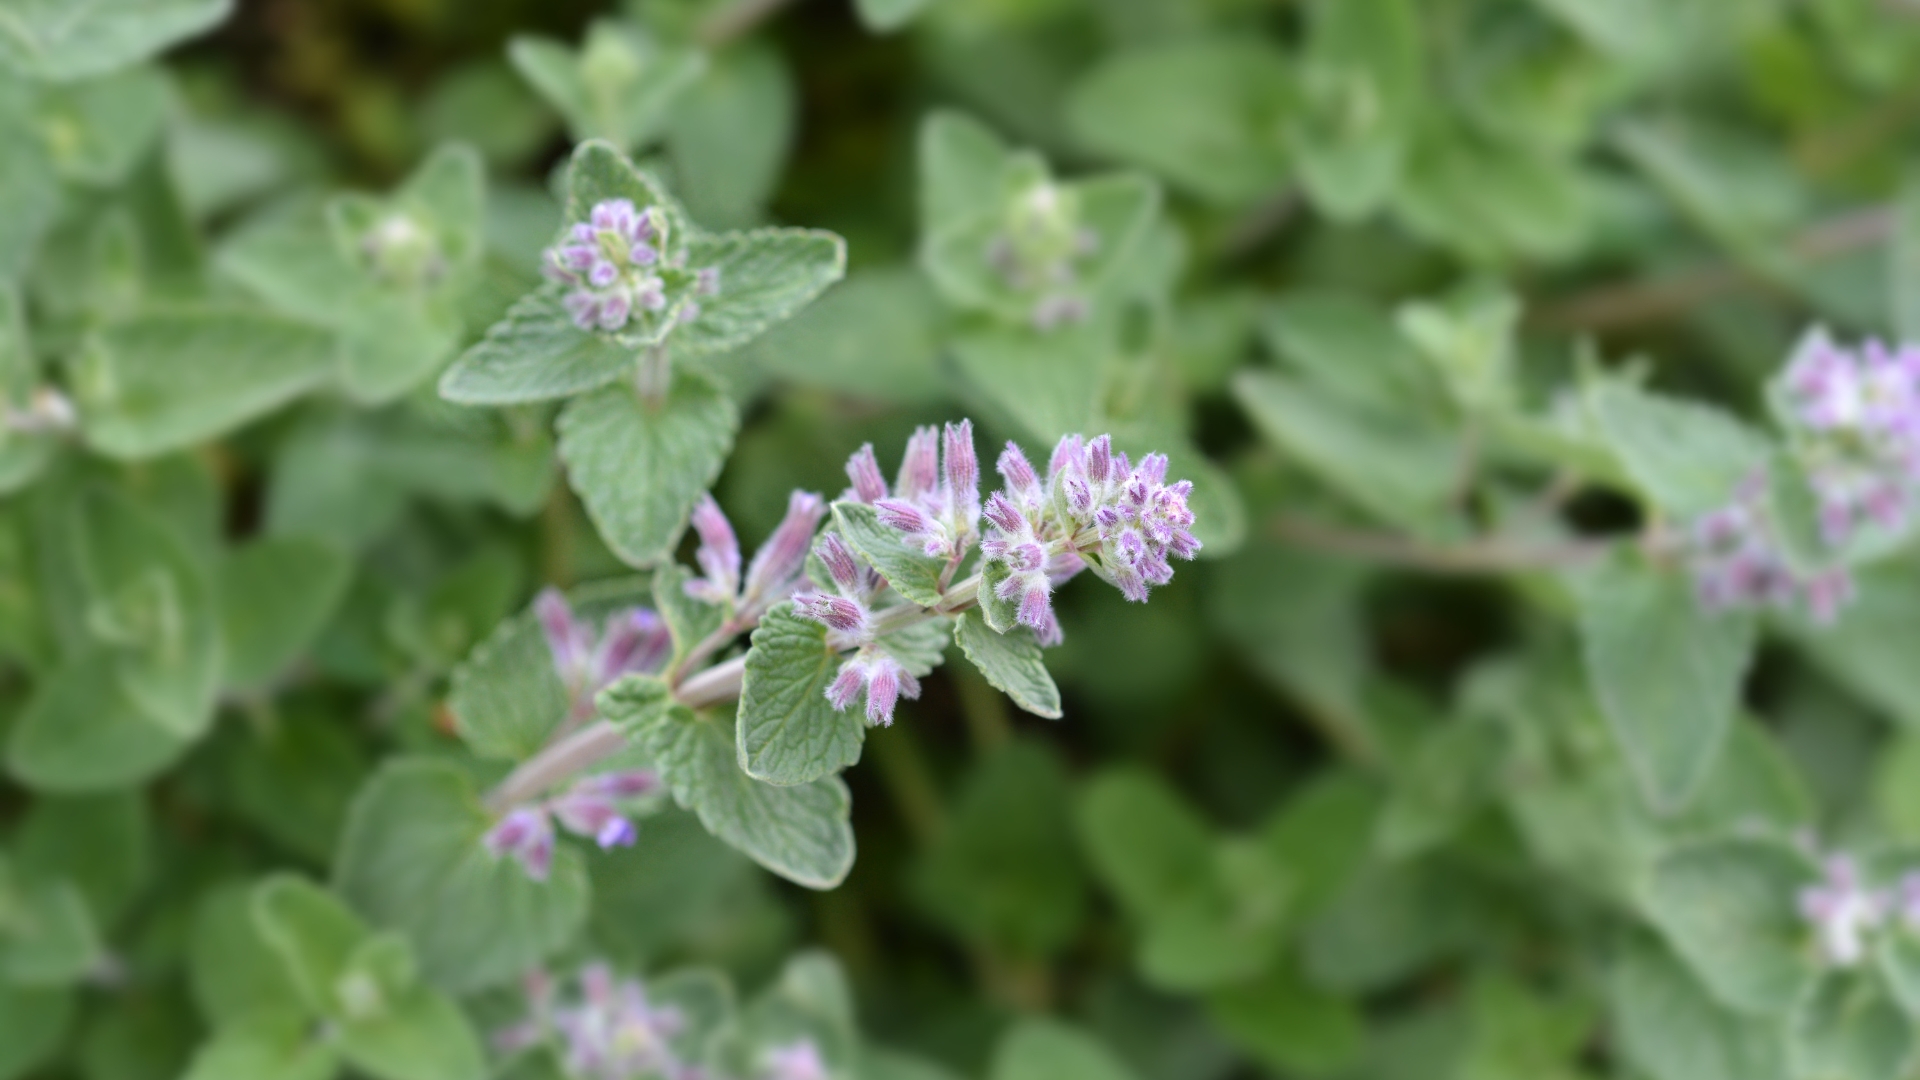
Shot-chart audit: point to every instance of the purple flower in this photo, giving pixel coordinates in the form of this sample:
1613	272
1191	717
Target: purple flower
777	566
1842	912
776	569
798	1060
841	613
610	266
634	639
936	499
718	555
1738	562
526	834
881	676
1096	509
607	1030
592	808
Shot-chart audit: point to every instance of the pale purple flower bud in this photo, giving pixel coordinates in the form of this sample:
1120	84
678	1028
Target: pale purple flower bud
613	215
643	254
1003	515
920	468
904	517
841	563
623	784
526	834
568	639
1048	633
584	309
602	274
1069	455
707	281
1100	459
1036	609
863	469
777	566
847	684
834	612
886	684
962	472
1021	480
636	639
719	552
615	309
617	832
795	1061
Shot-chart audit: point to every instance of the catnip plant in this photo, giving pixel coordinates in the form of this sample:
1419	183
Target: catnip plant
920	539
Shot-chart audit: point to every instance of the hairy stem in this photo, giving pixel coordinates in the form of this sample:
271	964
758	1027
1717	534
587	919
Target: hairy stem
720	683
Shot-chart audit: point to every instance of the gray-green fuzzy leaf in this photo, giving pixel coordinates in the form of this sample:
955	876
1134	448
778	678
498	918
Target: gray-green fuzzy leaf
1011	662
912	573
788	732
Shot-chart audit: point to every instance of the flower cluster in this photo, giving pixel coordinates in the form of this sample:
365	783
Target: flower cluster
1845	913
1036	249
1738	562
594	807
609	1031
634	639
614	264
1095	509
935	499
871	669
1855	419
400	251
776	570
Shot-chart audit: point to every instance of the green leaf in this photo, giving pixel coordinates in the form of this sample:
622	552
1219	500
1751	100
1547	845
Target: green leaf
1049	385
47	935
729	134
765	277
276	594
1146	843
1469	340
886	16
1208	115
33	1024
1143	838
535	354
1398	467
1728	909
1324	835
1000	614
422	1036
1903	264
270	1045
1686	458
1848	1027
30	186
315	937
1666	673
53	40
639	466
1288	1025
876	336
505	697
799	832
1011	662
618	86
168	379
1036	1049
1362	82
81	732
961	161
411	860
912	573
1670	1029
98	130
295	781
153	604
788	732
1492	202
231	970
98	842
1225	930
689	620
1002	871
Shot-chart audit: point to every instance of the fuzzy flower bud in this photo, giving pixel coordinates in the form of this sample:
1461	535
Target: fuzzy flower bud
1738	562
610	265
1842	912
842	565
920	467
834	612
525	834
881	676
863	470
777	566
718	554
